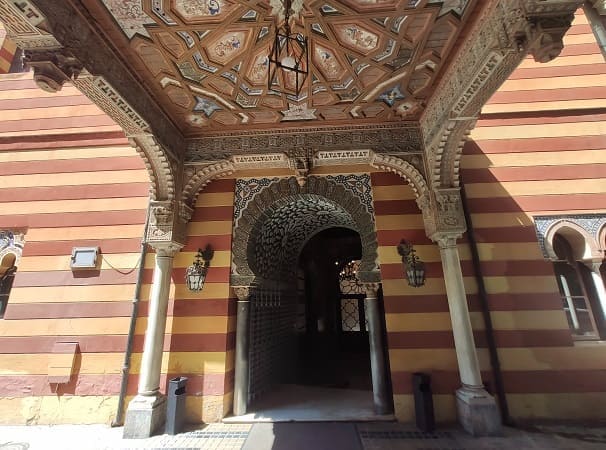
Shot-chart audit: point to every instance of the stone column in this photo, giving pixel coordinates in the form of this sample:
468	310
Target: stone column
598	282
477	410
241	374
377	352
147	411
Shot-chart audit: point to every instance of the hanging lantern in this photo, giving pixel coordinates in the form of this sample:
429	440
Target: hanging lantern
288	60
413	266
195	274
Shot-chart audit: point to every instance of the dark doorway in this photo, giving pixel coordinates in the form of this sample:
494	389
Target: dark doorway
331	328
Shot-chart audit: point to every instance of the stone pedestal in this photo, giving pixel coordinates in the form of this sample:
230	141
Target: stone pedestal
145	416
478	412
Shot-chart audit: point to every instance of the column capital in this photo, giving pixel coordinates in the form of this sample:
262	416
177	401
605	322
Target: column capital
371	289
242	292
446	240
166	249
444	216
167	222
593	264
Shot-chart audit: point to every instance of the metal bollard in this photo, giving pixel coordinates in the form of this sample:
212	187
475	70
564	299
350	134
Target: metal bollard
175	405
423	402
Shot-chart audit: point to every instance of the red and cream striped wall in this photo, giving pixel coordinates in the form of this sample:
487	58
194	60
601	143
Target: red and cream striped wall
539	149
67	178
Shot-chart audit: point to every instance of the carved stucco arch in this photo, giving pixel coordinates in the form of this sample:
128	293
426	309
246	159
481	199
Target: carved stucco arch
196	178
404	169
591	247
285	191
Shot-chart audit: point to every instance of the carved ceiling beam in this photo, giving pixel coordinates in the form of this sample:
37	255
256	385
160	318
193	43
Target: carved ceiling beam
504	33
61	46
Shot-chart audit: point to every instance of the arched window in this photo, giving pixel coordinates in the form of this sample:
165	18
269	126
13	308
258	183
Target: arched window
579	299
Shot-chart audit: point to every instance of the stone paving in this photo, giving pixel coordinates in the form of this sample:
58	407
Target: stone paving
372	436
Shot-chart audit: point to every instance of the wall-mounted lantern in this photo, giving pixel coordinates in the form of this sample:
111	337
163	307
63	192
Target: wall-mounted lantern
196	273
414	267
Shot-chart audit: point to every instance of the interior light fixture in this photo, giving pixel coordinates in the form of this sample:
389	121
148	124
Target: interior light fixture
289	58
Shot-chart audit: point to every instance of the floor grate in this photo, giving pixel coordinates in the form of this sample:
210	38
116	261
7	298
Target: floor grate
404	435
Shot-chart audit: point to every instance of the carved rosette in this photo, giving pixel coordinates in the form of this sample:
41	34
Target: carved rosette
242	292
445	214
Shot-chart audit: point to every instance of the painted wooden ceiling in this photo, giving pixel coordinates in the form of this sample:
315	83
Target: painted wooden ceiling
206	61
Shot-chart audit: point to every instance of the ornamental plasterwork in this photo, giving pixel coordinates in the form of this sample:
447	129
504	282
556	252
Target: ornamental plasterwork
25	25
443	214
379	138
130	16
257	200
167	222
592	224
506	31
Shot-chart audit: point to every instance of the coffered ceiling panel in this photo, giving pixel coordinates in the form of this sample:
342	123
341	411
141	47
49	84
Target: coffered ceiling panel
206	61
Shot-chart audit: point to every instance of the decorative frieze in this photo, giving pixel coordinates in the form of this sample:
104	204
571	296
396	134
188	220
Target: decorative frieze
25	25
379	138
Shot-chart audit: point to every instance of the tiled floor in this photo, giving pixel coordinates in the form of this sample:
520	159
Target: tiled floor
370	436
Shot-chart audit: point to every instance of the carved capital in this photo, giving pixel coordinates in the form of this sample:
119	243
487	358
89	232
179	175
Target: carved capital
547	36
52	68
242	292
166	249
445	214
446	240
371	290
167	223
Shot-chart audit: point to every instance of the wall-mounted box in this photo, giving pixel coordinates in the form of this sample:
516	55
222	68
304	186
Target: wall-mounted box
84	258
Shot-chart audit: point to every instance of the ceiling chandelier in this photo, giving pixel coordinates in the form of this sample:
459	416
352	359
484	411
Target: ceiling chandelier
289	59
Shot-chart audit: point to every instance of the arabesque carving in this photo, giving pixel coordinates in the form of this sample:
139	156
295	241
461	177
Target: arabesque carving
444	214
167	222
283	192
504	33
196	178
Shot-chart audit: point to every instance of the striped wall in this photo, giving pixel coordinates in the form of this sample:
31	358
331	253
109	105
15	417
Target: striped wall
539	148
419	333
66	182
200	334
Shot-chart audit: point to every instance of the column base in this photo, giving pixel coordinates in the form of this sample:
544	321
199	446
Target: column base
478	413
144	416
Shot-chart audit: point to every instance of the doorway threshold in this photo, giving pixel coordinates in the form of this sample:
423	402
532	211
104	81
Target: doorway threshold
296	403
